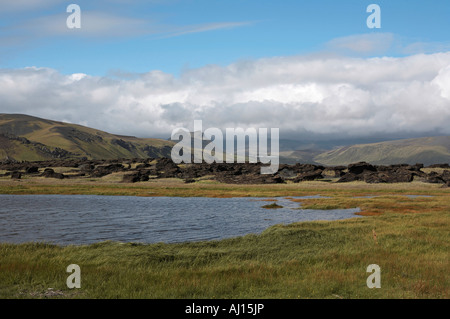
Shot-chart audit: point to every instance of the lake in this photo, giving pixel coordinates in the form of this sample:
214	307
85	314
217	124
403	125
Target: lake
86	219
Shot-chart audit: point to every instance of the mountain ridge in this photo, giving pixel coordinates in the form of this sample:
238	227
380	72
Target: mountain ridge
425	150
29	138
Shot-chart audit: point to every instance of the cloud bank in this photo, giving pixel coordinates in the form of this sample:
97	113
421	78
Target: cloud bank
335	96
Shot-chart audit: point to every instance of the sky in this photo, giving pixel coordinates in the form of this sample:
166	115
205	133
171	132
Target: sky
314	69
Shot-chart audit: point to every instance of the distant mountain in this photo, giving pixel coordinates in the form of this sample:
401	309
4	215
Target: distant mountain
300	156
427	150
28	138
24	137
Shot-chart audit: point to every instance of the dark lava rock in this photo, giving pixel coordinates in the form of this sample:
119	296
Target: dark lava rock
276	180
446	176
349	177
401	176
416	167
235	173
286	173
376	177
166	168
138	176
358	168
309	176
397	176
32	170
303	168
165	163
16	175
50	173
250	179
104	170
86	167
435	177
131	178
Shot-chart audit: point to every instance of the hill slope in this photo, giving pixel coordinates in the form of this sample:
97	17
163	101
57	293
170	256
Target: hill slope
427	150
24	137
28	138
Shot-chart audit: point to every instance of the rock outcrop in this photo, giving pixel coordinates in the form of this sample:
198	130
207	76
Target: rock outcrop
138	170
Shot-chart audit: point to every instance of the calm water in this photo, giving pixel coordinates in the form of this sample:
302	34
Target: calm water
82	219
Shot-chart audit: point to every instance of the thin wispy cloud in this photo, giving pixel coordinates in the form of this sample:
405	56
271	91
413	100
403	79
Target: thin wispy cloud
93	24
205	27
103	26
364	44
382	43
8	6
426	47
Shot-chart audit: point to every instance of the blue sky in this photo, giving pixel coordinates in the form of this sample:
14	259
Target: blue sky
173	35
311	68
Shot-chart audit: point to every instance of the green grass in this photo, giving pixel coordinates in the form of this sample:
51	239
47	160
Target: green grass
302	260
272	206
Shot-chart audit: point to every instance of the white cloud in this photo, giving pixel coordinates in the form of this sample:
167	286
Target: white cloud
442	81
77	76
337	96
368	43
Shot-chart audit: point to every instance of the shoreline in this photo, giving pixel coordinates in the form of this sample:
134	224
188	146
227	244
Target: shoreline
407	237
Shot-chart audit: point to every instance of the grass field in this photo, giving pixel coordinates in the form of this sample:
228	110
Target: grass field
407	237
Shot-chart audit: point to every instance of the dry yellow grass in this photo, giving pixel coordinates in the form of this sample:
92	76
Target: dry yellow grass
407	237
177	187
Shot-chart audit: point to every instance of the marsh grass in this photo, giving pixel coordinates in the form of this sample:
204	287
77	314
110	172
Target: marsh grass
272	206
320	259
177	187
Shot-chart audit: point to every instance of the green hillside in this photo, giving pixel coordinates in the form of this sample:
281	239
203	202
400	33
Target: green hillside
29	138
428	150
